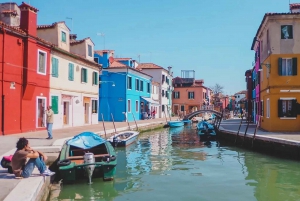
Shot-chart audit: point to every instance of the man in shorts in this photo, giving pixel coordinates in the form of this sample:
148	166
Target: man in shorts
20	168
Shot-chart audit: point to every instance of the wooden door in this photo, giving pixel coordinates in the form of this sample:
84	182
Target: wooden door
41	113
86	113
66	113
175	109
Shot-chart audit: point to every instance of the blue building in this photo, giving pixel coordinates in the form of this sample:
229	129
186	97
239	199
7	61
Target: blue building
124	92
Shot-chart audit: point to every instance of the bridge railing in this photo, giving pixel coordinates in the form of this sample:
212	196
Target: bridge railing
207	107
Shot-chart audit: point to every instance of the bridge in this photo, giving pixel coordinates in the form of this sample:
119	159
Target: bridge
205	109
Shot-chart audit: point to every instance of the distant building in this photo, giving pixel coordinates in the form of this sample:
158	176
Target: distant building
277	82
238	97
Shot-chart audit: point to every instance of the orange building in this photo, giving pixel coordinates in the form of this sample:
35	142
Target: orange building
189	95
278	38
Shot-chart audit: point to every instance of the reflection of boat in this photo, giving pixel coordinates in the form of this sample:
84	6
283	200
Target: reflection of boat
84	154
176	130
186	121
175	123
206	131
123	138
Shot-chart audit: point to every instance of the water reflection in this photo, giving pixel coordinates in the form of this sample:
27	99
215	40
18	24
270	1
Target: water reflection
173	164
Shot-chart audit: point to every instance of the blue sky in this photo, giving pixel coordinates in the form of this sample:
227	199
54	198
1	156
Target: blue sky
211	37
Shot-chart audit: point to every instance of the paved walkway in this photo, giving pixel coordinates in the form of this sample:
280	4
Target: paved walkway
25	189
232	125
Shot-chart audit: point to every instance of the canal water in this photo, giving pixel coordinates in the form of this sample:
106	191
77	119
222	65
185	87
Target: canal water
171	164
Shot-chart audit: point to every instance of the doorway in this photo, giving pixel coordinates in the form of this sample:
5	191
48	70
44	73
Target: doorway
176	109
41	107
66	113
86	112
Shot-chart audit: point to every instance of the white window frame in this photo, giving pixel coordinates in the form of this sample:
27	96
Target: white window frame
176	92
38	62
189	95
136	106
88	45
36	113
129	108
288	99
268	108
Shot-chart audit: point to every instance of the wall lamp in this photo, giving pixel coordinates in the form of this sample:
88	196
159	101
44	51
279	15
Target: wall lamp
267	65
113	83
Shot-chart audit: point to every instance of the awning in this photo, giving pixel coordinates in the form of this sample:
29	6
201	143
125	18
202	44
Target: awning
149	100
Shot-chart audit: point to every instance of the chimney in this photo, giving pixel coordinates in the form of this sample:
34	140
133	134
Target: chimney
28	19
10	14
295	8
73	37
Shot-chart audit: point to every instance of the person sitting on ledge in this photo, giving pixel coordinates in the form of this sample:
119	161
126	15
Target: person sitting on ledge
20	168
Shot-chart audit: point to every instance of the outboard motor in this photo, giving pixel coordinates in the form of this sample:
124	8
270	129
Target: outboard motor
89	159
116	140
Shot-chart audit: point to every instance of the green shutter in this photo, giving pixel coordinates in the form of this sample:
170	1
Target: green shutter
71	72
280	108
54	104
54	67
279	66
295	66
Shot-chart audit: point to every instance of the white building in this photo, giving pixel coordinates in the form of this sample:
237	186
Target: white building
74	77
238	96
155	96
164	78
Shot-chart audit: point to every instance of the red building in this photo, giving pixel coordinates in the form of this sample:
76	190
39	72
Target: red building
24	70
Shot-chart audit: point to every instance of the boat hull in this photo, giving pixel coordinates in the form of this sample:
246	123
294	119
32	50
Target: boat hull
173	124
123	142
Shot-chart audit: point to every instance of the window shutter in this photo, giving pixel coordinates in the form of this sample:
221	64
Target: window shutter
54	102
70	72
295	66
279	66
56	67
280	108
178	94
53	67
294	108
85	75
173	94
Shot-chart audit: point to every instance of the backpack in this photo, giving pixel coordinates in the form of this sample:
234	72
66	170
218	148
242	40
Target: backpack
6	163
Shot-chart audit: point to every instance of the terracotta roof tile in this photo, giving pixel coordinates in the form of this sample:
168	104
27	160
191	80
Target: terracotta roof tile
49	26
12	12
122	59
294	5
75	42
12	28
25	5
149	66
116	64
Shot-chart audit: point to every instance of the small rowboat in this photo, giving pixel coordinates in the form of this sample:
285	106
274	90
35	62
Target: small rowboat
173	124
123	139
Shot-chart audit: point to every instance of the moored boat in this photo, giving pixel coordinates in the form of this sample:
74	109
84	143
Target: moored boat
206	131
123	139
175	123
187	121
87	155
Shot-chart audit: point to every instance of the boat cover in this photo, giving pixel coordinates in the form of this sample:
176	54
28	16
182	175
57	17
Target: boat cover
86	140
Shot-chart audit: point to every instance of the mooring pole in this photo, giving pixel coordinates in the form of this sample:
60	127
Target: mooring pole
246	131
127	120
238	130
169	113
103	124
257	125
166	116
220	119
137	128
113	122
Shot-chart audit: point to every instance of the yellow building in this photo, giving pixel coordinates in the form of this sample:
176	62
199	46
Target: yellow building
278	39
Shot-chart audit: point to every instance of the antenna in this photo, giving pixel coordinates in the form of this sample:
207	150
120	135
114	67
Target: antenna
102	35
69	18
139	56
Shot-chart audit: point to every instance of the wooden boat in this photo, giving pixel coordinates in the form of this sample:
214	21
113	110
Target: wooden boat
206	128
173	124
87	154
123	139
187	121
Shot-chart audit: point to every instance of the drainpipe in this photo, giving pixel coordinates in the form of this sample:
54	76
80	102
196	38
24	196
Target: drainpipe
2	88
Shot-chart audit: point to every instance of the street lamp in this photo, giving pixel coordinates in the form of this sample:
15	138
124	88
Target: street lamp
113	83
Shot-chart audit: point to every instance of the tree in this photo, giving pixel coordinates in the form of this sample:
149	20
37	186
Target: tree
217	88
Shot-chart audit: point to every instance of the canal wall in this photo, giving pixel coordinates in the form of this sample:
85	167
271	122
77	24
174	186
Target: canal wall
277	147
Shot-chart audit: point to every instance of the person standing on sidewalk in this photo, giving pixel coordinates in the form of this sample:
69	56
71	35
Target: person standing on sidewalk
20	168
49	121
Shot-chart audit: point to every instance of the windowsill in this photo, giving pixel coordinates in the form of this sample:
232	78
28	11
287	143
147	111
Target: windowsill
41	73
288	117
83	82
94	113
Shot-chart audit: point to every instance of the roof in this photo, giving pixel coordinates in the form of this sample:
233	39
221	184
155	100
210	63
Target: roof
155	83
179	80
241	92
294	5
115	64
265	18
50	26
149	66
12	28
124	67
13	12
122	59
100	52
25	5
75	42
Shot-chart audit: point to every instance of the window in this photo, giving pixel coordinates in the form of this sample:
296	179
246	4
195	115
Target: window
163	79
96	59
176	95
167	94
148	87
287	32
136	106
262	107
167	80
137	84
94	106
128	105
182	108
42	62
54	67
129	82
287	67
190	95
141	85
95	78
63	36
163	93
71	72
90	51
54	104
84	75
163	108
287	107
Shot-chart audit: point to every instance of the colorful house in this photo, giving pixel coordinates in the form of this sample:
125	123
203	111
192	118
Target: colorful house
164	78
74	77
25	71
277	40
124	91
